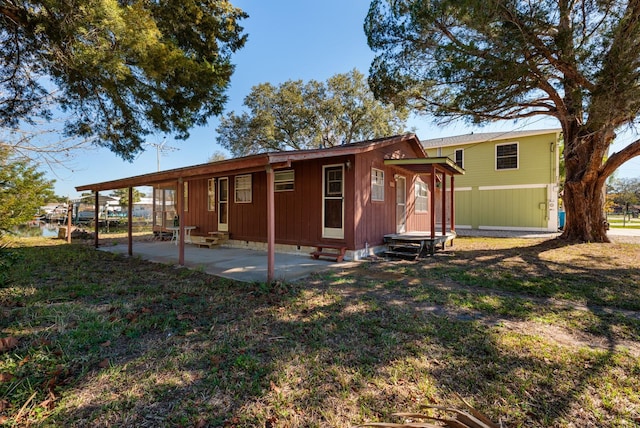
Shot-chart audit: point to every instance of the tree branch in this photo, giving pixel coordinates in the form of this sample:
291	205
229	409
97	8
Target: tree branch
617	159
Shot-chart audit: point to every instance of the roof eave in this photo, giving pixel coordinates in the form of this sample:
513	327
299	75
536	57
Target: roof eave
443	162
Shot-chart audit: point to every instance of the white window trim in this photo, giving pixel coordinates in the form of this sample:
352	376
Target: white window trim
420	184
517	156
237	188
285	184
328	232
377	181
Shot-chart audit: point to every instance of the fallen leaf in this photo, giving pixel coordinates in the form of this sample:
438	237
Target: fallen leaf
8	343
200	422
186	317
104	363
42	342
24	361
4	405
146	310
49	403
4	420
6	377
105	344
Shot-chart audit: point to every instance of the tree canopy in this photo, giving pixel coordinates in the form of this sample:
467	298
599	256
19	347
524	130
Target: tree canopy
23	190
296	115
120	69
483	60
625	191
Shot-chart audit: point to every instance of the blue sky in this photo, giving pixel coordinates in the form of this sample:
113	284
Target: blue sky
288	40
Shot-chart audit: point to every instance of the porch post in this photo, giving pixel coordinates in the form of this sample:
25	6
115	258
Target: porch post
130	222
96	218
444	203
453	205
181	222
271	225
432	208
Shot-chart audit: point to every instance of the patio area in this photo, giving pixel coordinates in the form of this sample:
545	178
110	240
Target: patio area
238	264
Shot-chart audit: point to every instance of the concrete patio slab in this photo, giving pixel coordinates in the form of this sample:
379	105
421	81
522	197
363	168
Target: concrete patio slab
234	263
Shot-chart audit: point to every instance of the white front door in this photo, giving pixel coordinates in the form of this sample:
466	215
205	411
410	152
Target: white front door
333	202
223	204
401	204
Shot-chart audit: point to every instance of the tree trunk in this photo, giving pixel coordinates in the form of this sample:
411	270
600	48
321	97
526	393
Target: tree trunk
584	196
584	206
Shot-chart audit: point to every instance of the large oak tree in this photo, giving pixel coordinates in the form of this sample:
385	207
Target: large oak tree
574	60
117	69
296	115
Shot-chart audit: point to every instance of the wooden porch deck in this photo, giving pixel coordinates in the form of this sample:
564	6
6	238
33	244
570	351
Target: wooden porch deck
416	245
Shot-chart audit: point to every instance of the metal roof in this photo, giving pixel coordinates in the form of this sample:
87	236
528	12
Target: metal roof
474	138
259	162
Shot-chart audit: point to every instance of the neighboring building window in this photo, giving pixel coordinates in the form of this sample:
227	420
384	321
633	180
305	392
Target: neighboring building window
377	185
507	156
186	195
211	194
284	180
421	196
243	189
459	155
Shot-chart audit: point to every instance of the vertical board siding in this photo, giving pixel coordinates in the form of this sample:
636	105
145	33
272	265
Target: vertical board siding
197	214
374	219
418	221
298	213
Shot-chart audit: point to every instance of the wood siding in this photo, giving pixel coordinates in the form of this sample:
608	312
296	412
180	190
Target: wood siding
298	212
374	219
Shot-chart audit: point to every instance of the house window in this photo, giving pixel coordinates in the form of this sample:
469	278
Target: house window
284	180
377	185
211	194
243	189
186	195
459	155
421	197
333	182
507	156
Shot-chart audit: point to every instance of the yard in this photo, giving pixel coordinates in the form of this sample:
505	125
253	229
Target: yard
532	333
619	221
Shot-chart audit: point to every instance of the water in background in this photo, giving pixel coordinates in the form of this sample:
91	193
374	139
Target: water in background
37	229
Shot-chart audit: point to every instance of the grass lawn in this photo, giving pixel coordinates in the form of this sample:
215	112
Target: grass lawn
620	222
532	333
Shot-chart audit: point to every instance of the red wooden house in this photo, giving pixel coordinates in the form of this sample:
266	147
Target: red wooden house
348	197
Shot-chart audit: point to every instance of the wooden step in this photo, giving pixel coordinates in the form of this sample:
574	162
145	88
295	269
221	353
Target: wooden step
401	255
337	254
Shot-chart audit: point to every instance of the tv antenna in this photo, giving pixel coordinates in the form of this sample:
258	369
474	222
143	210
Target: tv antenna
162	148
